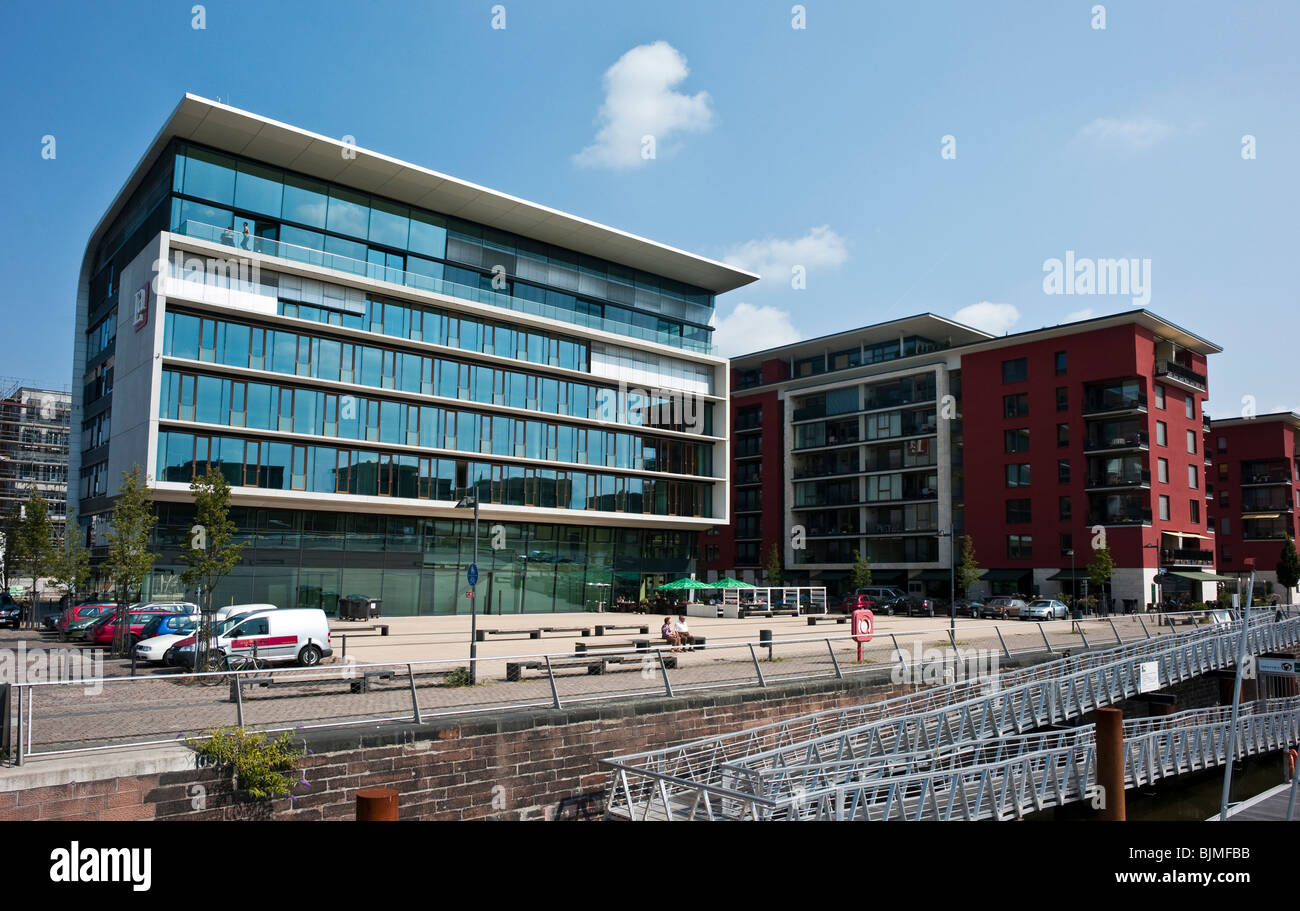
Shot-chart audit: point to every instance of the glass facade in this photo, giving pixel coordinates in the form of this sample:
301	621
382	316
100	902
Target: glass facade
417	565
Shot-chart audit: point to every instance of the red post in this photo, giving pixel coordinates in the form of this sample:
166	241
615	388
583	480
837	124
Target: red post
1110	763
376	805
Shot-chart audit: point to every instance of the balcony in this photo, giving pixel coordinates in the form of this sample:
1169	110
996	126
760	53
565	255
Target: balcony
1114	479
1120	517
1183	377
1186	556
340	263
809	412
882	528
1106	402
1117	442
1255	507
1259	478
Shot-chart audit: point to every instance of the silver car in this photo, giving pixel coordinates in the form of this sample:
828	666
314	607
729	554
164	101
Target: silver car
1045	609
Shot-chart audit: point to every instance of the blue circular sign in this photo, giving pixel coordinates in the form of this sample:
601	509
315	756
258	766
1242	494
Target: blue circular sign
471	574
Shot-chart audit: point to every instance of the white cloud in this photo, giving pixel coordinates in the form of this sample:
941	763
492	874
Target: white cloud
751	328
1085	313
994	319
774	258
1126	134
639	102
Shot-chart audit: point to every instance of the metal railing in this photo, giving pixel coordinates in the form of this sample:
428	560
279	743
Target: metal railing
948	717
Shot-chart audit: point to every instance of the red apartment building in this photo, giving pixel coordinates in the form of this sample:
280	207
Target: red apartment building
1062	437
1256	486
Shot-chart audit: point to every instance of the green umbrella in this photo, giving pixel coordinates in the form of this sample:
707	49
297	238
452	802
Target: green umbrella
683	585
731	583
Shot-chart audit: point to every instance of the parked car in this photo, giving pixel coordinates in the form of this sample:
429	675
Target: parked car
1045	609
86	610
11	612
105	631
299	634
969	608
888	600
232	610
161	633
1002	608
854	601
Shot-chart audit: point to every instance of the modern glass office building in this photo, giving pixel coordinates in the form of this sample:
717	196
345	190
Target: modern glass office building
360	344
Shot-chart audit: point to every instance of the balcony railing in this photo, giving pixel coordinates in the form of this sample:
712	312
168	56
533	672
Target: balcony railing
1133	440
1100	403
340	263
1120	479
1281	476
1177	372
1121	517
1183	556
882	528
1248	506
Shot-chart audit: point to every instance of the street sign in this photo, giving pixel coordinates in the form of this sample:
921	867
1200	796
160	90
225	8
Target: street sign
1277	665
471	574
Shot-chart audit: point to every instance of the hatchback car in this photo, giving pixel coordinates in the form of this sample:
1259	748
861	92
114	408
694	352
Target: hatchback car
11	612
161	633
1002	608
104	632
1045	609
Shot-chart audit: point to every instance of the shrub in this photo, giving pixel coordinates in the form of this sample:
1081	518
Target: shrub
259	765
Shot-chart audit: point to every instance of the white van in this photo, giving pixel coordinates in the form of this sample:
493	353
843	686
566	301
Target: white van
300	634
232	610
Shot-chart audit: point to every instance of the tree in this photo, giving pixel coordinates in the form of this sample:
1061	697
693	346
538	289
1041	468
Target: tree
212	553
70	563
1100	568
129	558
1288	568
9	525
35	544
773	565
968	571
860	575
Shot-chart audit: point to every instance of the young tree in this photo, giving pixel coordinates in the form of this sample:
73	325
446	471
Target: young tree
129	559
968	571
1288	568
860	575
70	563
773	566
1099	569
212	553
9	525
35	542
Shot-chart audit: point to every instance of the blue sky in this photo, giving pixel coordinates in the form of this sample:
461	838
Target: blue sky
775	146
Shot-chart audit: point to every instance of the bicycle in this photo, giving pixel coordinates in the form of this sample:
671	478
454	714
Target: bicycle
221	668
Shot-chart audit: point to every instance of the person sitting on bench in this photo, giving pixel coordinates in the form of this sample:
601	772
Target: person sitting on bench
669	635
684	636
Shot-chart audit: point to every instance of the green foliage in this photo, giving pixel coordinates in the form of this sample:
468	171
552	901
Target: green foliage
1288	567
860	575
259	764
968	571
70	561
214	532
458	677
1100	567
773	566
33	548
129	559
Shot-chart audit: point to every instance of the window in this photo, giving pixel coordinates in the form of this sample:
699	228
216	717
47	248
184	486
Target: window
1063	471
1016	371
1191	441
1067	543
1065	510
1195	511
1018	475
1189	405
1060	362
1015	406
1018	511
1160	397
1223	530
1162	471
1020	547
1192	479
1164	508
1016	440
1062	398
1161	434
1223	471
1062	434
1223	444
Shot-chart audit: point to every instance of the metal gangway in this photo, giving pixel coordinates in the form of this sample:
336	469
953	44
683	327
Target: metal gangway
718	773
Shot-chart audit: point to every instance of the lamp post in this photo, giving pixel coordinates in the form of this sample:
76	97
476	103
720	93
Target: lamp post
952	563
1236	693
1074	588
470	501
1160	586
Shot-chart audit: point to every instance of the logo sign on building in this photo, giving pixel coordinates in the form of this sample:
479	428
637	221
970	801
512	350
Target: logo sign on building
140	308
1277	665
1150	679
918	447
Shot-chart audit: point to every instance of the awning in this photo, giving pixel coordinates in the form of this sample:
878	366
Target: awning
934	575
1004	575
1201	577
1188	534
1065	575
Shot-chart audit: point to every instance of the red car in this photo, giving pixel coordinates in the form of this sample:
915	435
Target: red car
80	612
850	602
102	633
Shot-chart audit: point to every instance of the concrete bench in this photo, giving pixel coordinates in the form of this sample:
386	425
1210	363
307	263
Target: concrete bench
826	618
600	629
583	648
577	630
515	669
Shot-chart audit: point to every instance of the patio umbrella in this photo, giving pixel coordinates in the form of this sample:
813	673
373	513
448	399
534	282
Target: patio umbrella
682	585
731	583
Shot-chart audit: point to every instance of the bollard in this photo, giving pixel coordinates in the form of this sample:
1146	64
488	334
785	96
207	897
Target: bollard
765	639
376	805
1110	763
383	629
